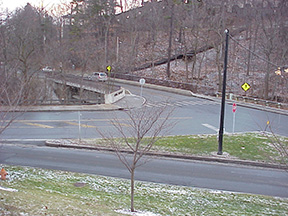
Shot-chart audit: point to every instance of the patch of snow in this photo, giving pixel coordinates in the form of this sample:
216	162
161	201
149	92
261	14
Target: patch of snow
8	189
137	213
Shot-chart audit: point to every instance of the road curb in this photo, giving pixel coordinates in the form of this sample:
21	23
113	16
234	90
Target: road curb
58	108
59	144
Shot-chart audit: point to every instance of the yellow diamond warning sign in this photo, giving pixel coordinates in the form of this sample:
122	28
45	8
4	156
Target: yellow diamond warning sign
245	86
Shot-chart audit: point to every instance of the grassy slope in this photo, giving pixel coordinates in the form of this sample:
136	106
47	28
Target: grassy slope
48	192
249	146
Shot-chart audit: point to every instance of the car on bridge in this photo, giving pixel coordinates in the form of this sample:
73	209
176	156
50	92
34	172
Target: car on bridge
99	76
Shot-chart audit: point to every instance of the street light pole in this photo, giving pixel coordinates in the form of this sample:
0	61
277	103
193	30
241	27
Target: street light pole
220	138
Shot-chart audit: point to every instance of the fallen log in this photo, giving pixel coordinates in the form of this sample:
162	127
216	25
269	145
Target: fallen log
190	53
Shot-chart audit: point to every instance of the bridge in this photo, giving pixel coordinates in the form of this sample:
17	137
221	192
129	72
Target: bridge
72	89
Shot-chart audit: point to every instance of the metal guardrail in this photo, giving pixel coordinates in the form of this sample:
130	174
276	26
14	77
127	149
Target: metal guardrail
168	83
200	89
78	81
74	101
258	101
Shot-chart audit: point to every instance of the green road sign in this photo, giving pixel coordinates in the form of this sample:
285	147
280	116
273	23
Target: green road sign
245	86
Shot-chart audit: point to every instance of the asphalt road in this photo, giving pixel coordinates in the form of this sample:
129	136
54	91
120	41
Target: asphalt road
192	115
177	172
200	116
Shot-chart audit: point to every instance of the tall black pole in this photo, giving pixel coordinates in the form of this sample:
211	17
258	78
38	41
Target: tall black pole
220	139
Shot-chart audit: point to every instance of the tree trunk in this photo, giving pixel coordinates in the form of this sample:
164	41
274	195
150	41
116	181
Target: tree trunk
249	52
200	68
193	67
132	189
219	68
134	39
266	80
82	79
106	44
170	41
187	68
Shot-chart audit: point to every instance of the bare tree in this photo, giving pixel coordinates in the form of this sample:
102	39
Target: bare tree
217	26
11	92
271	40
192	23
138	133
279	144
21	45
100	15
24	36
171	26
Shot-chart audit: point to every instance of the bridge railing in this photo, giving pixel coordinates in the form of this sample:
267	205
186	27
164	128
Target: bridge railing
200	89
258	101
168	83
114	96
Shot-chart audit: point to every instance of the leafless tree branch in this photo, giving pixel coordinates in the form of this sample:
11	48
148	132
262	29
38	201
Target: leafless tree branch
278	144
138	133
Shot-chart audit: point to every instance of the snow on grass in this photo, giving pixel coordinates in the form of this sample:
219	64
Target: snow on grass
51	192
137	213
8	189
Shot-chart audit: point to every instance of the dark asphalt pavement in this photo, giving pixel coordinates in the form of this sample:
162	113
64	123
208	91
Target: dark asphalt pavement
227	177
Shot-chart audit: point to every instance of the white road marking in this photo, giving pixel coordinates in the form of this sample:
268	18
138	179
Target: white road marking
82	125
211	127
181	103
38	125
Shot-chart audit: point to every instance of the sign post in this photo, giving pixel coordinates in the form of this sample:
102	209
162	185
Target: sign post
234	113
142	82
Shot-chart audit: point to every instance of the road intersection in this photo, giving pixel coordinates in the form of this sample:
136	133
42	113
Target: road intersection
194	115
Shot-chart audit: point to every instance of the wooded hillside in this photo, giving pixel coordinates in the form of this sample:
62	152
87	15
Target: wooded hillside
178	40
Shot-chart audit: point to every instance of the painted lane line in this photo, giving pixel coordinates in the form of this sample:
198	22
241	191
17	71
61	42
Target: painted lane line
186	102
82	125
211	127
38	125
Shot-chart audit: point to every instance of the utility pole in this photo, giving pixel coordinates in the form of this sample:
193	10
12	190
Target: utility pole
220	139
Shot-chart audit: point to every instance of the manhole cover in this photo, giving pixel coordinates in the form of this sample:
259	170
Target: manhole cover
79	184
